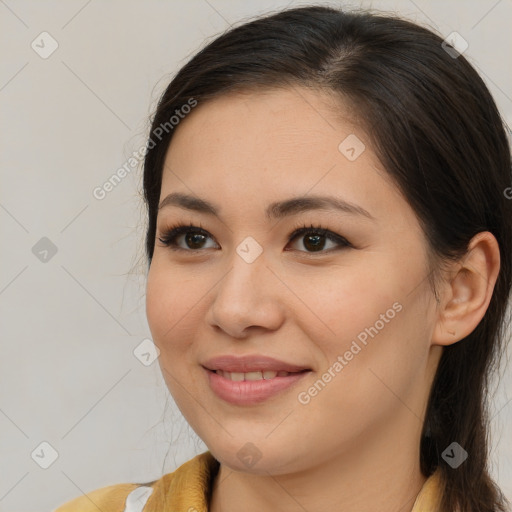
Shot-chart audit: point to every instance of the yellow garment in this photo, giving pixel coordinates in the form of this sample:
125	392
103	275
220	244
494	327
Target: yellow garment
188	489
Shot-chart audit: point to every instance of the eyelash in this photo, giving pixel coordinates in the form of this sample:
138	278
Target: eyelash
169	236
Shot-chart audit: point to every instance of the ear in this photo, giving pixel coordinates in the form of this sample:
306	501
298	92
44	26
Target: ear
466	295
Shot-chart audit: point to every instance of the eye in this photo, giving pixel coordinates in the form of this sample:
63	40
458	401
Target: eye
314	238
194	237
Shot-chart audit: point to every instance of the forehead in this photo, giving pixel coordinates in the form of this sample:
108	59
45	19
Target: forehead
267	123
274	144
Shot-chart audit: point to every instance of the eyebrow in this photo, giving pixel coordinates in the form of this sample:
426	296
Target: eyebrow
276	210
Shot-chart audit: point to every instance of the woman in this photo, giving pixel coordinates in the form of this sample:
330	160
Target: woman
329	247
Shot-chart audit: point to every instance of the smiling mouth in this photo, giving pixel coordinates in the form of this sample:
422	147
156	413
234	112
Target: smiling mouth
254	376
252	387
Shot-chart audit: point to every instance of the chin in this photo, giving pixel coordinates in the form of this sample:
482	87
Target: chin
247	457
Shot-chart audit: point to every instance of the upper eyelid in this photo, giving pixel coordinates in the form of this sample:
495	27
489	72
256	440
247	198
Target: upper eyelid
180	229
199	229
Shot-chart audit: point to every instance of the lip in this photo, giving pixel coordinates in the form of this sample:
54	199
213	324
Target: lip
250	392
251	363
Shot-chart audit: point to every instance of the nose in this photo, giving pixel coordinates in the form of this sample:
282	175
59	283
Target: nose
246	298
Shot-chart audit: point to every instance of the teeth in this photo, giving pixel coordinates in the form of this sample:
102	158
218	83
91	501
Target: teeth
238	377
252	376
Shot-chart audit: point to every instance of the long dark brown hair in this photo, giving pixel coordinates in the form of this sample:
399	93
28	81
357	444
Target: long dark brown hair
436	129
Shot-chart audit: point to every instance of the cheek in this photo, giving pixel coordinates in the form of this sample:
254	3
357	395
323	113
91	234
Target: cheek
169	306
345	303
170	309
156	302
364	382
376	325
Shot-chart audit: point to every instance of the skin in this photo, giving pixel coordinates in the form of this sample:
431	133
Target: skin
355	445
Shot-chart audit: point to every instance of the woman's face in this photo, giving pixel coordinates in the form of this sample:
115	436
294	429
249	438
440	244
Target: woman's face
352	306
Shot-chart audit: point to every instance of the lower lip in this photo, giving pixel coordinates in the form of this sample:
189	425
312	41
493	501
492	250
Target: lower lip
250	392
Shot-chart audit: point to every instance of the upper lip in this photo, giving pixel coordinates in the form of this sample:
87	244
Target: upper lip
250	363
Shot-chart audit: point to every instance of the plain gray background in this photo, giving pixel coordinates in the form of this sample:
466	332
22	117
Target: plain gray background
72	319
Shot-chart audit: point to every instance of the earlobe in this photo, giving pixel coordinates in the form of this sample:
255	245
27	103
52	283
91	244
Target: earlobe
466	295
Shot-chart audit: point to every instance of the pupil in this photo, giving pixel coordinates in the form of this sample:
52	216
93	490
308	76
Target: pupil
316	245
191	239
314	242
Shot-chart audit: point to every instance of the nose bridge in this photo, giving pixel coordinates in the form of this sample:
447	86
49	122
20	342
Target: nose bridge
247	269
244	296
